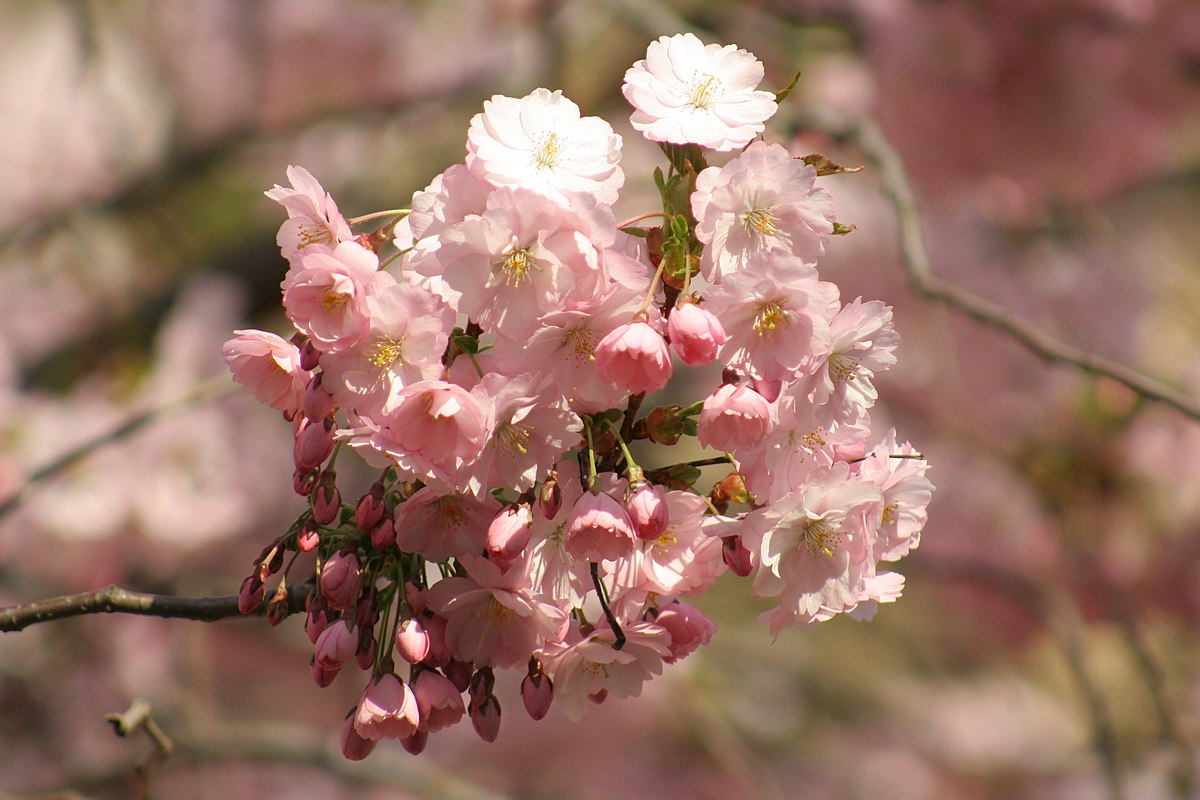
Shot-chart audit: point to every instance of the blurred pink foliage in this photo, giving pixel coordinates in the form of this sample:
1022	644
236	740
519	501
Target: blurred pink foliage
1054	148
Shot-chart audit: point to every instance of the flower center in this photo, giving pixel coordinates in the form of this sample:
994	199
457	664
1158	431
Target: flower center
385	353
761	222
517	266
450	510
842	367
769	317
547	151
889	513
819	538
704	90
581	344
333	300
314	234
497	613
512	438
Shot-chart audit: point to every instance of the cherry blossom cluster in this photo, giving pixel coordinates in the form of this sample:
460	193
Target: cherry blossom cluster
490	349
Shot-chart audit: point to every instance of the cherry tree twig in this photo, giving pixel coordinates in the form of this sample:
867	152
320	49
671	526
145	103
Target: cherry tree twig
115	600
920	274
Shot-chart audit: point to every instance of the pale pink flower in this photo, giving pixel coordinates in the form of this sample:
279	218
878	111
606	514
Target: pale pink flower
335	646
685	558
863	344
407	331
540	142
762	200
522	258
733	417
599	528
313	216
777	314
492	618
439	702
531	428
324	294
695	333
387	710
686	92
585	667
449	198
442	526
634	357
547	565
906	495
269	367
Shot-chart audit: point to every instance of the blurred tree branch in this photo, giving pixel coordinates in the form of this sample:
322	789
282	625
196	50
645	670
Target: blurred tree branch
115	600
916	263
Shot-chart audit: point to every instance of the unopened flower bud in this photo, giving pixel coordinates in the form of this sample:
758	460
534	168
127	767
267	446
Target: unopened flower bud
439	651
318	617
309	536
326	499
550	496
322	676
277	608
696	334
415	744
314	443
536	690
599	528
734	416
335	646
459	673
412	642
370	508
647	508
339	579
736	556
485	718
318	402
383	535
310	356
634	357
509	532
251	595
482	685
303	481
365	655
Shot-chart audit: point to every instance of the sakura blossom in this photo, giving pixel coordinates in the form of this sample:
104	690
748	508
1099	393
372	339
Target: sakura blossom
635	357
541	142
268	367
687	92
313	216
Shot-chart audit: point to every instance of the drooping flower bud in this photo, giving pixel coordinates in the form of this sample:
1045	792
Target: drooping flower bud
326	499
736	556
309	536
339	579
310	356
696	334
415	744
318	402
383	535
459	673
550	496
647	508
355	747
412	642
733	417
314	443
370	508
485	718
537	691
438	700
509	533
277	607
303	481
251	594
335	646
599	528
322	676
634	357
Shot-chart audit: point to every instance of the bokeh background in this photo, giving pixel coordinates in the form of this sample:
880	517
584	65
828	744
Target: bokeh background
1047	644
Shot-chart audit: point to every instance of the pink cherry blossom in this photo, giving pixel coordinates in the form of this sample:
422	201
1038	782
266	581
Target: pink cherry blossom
906	495
441	526
450	198
412	642
688	627
634	357
777	314
541	142
509	532
438	701
687	92
335	646
647	508
762	200
387	710
313	216
269	367
339	579
734	416
324	294
599	528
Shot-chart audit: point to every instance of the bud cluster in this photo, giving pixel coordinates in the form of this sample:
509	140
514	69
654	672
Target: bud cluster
494	368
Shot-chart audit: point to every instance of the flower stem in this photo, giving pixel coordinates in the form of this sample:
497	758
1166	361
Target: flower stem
391	212
602	593
639	218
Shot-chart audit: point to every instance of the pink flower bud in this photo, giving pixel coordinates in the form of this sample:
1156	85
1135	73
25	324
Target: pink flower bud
318	618
415	744
486	719
509	532
689	629
736	556
365	655
537	691
482	685
310	356
326	499
339	579
733	417
318	402
370	508
550	496
415	596
309	536
383	535
354	746
769	389
387	710
314	443
696	334
251	595
634	357
335	646
277	607
412	642
647	508
438	700
599	528
322	676
303	481
439	650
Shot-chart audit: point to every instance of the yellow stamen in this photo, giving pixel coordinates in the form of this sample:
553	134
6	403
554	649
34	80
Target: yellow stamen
511	438
889	513
545	155
761	221
842	367
769	317
517	267
704	90
820	538
497	613
332	301
386	352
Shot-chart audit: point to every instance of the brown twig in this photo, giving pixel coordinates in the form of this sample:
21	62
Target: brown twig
137	717
920	274
115	600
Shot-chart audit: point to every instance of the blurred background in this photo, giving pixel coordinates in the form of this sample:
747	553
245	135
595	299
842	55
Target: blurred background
1047	644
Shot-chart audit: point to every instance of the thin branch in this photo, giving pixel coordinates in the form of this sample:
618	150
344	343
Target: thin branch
920	274
137	717
211	390
115	600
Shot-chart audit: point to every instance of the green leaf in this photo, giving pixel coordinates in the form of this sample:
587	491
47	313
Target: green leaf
782	94
841	230
825	166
